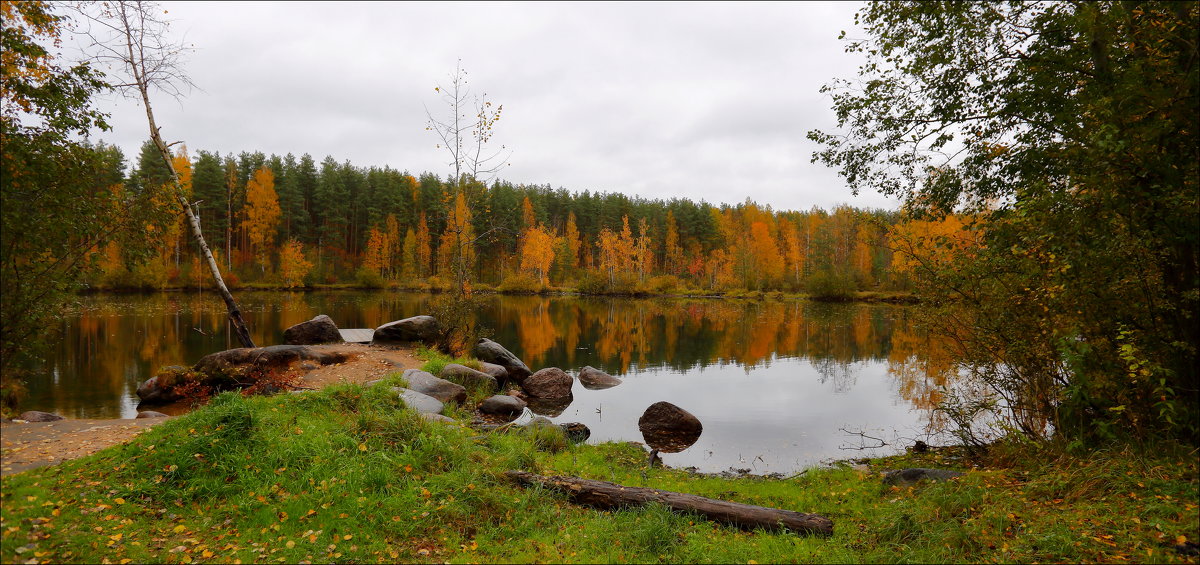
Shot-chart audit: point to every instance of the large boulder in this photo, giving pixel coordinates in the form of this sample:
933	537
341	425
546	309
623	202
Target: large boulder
424	329
595	379
317	330
469	377
503	406
908	477
669	428
223	366
36	416
440	389
550	382
160	389
489	351
421	403
233	368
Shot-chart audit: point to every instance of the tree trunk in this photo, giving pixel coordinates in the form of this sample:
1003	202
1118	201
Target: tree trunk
605	495
235	315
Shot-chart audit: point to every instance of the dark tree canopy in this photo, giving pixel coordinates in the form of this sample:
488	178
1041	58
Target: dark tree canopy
1067	130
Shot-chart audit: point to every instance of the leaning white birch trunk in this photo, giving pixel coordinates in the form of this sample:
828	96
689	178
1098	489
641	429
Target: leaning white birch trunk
135	60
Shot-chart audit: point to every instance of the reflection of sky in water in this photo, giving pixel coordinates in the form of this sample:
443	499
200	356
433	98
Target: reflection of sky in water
775	419
774	383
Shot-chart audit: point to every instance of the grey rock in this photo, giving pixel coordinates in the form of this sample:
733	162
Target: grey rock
669	428
150	414
440	389
437	418
424	329
421	403
503	406
595	379
496	371
489	351
320	329
548	383
908	477
469	377
36	416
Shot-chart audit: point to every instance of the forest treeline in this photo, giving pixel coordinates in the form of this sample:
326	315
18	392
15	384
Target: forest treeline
293	222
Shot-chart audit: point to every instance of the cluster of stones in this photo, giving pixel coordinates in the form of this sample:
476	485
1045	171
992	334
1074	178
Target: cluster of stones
665	427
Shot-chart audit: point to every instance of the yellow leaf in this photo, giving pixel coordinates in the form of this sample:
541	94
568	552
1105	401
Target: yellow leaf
362	447
179	529
290	544
119	500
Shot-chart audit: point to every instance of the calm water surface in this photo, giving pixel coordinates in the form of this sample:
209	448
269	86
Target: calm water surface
777	384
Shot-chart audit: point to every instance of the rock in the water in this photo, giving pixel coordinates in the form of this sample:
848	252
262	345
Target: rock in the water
489	351
469	377
440	389
550	382
907	477
669	428
151	414
595	379
551	407
503	406
422	403
35	416
317	330
436	418
425	329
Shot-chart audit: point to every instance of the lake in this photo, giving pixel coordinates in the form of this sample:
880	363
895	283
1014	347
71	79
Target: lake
778	385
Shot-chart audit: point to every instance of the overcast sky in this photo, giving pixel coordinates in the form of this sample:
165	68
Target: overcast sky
707	101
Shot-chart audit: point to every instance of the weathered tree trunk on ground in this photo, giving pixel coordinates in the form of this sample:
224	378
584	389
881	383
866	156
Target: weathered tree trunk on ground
605	495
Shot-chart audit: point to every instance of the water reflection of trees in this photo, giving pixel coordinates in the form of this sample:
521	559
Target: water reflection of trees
683	335
118	341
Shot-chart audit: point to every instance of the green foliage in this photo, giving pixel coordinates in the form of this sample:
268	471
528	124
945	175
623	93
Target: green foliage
61	200
1066	133
520	284
369	278
435	361
830	285
348	474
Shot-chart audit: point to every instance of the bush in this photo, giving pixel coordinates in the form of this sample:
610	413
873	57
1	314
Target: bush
825	285
664	284
522	283
369	278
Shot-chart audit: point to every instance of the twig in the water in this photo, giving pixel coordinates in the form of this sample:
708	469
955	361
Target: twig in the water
863	436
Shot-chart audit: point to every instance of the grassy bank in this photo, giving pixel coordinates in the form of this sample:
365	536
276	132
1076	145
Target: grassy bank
346	475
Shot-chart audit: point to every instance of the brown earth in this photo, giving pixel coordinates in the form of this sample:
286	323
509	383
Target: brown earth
30	445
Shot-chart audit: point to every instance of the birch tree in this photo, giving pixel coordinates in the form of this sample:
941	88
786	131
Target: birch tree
130	38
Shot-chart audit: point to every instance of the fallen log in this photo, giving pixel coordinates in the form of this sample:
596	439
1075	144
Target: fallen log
607	496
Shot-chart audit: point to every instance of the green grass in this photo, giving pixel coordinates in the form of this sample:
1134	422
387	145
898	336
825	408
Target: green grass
346	475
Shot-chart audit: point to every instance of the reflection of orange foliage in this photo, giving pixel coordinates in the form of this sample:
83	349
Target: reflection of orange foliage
537	331
922	364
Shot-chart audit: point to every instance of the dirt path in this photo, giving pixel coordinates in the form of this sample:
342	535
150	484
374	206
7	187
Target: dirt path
25	446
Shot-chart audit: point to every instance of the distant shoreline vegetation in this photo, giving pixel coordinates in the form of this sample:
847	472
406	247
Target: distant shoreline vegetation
293	223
